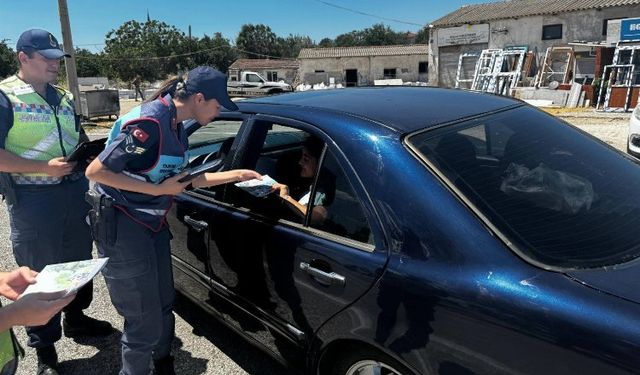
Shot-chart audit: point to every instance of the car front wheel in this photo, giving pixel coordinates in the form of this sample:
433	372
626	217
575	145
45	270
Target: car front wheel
365	362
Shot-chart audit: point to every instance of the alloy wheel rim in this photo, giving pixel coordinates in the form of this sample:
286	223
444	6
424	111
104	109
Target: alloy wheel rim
371	367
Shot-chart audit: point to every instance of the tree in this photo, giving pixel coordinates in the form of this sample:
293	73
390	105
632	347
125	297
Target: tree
257	41
376	35
381	35
326	43
353	38
291	45
147	49
422	36
217	52
88	64
8	64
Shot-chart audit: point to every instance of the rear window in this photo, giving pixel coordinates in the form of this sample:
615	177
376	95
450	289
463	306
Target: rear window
562	198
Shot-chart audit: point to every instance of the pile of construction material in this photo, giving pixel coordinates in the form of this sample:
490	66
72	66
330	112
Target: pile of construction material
517	72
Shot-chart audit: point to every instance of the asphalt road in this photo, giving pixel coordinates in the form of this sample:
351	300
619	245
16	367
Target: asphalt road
202	345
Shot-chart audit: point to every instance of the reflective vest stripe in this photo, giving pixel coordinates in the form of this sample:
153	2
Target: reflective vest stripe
152	212
36	151
135	176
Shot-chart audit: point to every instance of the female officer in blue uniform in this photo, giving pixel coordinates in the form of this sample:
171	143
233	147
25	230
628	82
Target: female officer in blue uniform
138	175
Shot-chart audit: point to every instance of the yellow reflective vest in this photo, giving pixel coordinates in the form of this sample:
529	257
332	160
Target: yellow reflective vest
39	131
10	351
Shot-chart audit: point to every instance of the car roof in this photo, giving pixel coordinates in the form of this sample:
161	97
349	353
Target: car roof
404	109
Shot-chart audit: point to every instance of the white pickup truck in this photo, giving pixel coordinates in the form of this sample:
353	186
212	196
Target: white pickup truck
253	84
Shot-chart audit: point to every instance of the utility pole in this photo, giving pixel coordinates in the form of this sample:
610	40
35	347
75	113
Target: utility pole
70	62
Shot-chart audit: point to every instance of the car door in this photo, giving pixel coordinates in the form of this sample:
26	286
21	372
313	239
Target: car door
190	214
290	273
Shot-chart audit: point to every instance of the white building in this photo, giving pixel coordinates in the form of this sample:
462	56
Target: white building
535	24
361	66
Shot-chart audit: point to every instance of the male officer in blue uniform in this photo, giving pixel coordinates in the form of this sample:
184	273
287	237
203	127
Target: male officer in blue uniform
45	197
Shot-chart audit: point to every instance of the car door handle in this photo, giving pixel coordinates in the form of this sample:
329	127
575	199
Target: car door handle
324	278
198	225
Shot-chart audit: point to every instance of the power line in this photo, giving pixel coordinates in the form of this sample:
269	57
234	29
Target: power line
180	55
369	14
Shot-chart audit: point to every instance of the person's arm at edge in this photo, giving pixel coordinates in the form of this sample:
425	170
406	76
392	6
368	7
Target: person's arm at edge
219	178
33	309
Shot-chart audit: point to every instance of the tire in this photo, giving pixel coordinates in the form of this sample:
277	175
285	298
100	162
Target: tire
366	361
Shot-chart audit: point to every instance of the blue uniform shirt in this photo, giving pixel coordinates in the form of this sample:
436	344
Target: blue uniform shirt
149	146
118	156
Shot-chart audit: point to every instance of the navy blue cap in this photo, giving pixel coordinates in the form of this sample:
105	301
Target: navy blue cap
211	83
42	42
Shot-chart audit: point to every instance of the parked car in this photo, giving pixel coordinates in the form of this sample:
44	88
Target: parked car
464	233
633	141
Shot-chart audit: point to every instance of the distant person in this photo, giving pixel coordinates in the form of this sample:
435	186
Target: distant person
137	81
137	177
34	309
45	197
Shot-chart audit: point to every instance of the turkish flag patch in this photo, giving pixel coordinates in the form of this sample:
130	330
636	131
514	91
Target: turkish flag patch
140	135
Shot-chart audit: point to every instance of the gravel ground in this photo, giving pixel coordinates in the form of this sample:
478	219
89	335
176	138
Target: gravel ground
212	348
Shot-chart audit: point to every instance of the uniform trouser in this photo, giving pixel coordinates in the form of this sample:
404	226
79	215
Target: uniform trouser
140	282
48	225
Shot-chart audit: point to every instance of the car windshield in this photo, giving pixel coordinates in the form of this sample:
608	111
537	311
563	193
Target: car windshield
561	198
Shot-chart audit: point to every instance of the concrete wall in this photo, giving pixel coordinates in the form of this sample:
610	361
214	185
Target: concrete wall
527	31
369	68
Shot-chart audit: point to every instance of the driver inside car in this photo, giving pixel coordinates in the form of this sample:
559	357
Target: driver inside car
296	197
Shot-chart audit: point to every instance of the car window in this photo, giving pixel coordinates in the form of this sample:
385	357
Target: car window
561	197
211	142
345	216
331	204
210	138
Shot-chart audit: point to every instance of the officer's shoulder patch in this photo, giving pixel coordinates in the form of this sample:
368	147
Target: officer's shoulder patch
140	135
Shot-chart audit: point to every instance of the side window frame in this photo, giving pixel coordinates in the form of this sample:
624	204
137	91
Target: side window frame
379	239
220	195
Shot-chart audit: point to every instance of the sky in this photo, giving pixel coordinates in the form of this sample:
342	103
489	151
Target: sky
91	20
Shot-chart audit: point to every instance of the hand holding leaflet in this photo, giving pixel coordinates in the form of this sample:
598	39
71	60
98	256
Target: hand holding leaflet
67	277
258	188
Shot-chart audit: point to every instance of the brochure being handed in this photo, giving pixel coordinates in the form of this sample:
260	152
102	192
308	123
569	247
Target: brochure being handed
258	188
68	277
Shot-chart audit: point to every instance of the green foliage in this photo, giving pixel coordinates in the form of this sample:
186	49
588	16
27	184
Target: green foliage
377	35
135	48
219	53
8	64
155	50
422	36
291	45
326	43
89	64
257	42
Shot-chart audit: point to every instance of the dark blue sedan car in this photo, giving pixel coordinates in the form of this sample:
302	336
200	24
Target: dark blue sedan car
442	232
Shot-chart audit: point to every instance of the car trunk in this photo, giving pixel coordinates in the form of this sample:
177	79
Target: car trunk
621	280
